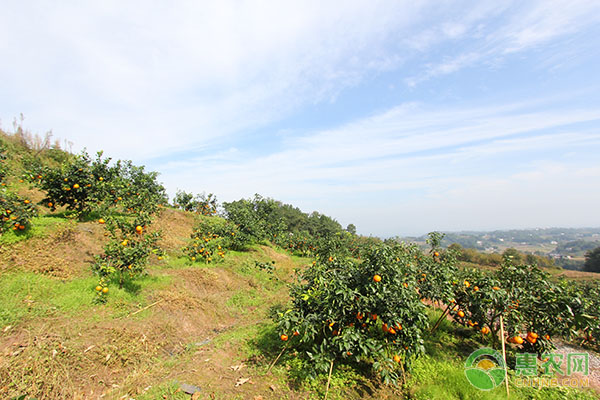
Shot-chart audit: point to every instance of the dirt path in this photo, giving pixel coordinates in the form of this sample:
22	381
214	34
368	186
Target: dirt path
594	362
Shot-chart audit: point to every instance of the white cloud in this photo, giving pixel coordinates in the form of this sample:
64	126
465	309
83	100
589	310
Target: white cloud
520	26
125	72
177	84
412	152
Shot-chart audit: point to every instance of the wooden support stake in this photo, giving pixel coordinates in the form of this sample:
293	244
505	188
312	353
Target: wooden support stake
274	361
441	318
328	380
504	356
403	373
145	308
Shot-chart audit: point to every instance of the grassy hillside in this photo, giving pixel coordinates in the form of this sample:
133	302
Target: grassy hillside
181	322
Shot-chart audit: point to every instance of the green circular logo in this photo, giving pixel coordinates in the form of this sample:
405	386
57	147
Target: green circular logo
485	369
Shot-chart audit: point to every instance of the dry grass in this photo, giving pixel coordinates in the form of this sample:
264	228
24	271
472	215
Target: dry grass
66	253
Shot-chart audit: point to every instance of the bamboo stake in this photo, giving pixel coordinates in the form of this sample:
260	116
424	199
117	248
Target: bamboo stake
145	308
328	380
274	361
403	373
504	356
441	318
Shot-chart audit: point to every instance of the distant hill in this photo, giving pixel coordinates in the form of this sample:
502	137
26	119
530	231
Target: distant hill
566	245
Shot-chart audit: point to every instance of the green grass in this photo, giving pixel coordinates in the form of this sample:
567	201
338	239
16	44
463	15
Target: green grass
40	227
439	374
240	301
163	391
26	295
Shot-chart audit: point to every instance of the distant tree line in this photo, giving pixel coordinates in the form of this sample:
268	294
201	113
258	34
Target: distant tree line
592	260
496	259
576	246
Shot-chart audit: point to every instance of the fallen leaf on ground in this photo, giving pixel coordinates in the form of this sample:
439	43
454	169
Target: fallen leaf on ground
241	381
237	367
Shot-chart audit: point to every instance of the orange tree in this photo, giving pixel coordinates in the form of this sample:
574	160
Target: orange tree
79	184
357	312
134	190
258	218
534	308
15	211
127	251
436	271
590	299
202	204
211	237
3	166
479	303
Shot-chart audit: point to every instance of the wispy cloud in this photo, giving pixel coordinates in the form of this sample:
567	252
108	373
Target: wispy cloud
523	26
384	106
411	149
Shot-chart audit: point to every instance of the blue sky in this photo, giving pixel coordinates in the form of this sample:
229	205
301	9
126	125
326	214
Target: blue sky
401	117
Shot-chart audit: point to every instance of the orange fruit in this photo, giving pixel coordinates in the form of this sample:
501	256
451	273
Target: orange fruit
533	335
517	340
377	278
547	337
296	333
26	201
101	179
461	314
124	242
385	328
475	288
467	284
284	337
138	229
392	331
76	186
436	254
49	204
531	340
105	290
101	221
496	288
485	330
330	259
397	358
359	316
98	288
374	317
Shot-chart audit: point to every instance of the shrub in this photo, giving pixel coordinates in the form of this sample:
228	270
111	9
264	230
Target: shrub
346	311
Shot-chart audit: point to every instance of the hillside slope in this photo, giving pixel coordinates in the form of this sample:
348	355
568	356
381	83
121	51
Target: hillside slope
59	344
184	321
